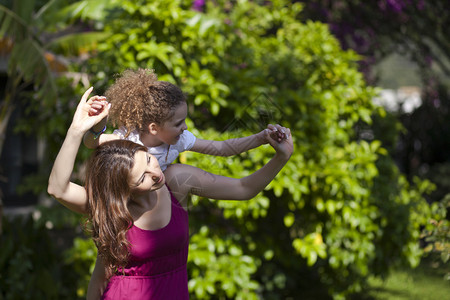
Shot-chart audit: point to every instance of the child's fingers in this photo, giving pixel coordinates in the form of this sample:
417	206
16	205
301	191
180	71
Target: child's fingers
96	107
271	127
280	129
270	138
105	110
278	132
273	134
95	100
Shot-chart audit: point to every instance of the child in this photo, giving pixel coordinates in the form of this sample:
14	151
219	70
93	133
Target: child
153	113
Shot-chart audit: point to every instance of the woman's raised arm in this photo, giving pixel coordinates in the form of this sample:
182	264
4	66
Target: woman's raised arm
69	194
184	179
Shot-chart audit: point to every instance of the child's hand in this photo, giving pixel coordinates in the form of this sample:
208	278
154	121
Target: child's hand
82	119
276	132
281	140
98	104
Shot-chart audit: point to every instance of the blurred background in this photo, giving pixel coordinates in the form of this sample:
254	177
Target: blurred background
359	212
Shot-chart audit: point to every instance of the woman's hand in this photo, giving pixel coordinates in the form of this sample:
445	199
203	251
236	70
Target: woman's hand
84	118
280	139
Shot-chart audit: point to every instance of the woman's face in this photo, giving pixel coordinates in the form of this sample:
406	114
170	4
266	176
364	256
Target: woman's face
146	174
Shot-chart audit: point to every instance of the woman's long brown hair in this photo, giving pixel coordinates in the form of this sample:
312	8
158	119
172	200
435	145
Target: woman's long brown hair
108	191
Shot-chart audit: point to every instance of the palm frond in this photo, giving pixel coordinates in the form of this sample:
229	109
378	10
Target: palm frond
12	25
73	44
89	10
35	69
44	9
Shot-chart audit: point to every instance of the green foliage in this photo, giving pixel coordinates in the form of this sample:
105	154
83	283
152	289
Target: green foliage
212	260
331	210
31	265
338	211
376	29
32	33
424	282
82	257
438	234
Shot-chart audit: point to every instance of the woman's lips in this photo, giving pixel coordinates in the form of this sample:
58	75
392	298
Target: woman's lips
161	177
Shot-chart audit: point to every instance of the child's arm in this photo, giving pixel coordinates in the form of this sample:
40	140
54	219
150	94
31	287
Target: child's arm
238	145
69	194
185	179
91	141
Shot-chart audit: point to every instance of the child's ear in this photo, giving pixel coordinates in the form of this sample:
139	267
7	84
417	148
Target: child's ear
153	128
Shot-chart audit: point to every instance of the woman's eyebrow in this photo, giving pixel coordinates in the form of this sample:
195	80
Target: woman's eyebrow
149	159
138	182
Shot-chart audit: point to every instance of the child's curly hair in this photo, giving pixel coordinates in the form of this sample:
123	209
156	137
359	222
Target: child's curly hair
137	99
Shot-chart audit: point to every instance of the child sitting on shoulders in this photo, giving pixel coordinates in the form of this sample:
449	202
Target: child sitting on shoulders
153	113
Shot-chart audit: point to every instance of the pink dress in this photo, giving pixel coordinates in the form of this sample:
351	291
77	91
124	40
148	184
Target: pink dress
157	266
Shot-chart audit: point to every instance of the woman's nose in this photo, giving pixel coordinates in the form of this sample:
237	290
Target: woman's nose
155	174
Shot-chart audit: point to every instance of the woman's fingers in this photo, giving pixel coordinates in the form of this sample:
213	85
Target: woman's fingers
90	111
86	94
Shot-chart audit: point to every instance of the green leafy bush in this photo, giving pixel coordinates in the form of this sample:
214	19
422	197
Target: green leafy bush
32	267
438	234
339	211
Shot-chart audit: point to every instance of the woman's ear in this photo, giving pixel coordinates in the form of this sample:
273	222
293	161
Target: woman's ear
153	128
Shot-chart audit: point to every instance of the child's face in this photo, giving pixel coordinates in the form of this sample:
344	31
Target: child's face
171	130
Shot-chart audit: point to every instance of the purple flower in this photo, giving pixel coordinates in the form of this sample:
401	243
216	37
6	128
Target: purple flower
393	5
429	60
198	5
420	5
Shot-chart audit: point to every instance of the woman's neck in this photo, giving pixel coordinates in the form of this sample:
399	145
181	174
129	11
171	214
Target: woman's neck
149	140
143	200
141	203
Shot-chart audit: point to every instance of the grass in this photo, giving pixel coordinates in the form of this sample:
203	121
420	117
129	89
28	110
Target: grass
426	282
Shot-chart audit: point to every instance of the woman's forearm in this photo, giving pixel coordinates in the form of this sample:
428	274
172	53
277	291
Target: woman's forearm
256	182
72	195
62	169
186	179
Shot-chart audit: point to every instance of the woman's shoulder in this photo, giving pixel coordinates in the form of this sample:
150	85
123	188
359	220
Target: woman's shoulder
180	178
174	171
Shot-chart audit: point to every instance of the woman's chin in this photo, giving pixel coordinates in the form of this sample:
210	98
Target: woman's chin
157	187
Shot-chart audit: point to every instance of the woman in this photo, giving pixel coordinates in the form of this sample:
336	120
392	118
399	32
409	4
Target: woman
138	214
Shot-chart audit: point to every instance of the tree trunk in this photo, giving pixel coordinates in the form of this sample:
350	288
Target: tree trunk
4	123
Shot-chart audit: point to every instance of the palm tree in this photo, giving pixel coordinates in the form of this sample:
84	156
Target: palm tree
30	43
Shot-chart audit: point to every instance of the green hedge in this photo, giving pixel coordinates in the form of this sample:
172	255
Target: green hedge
338	212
